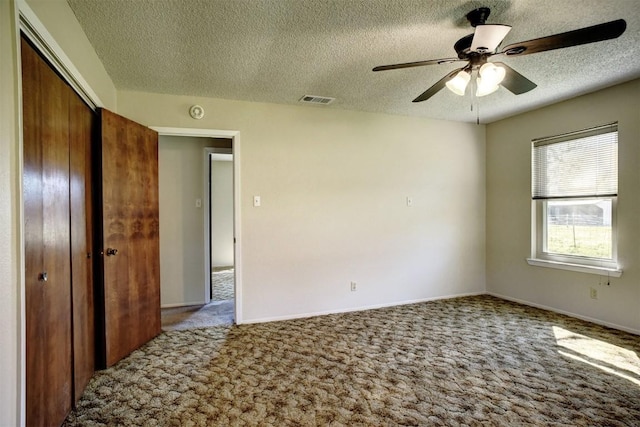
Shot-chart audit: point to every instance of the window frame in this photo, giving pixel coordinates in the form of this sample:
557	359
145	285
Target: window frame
539	254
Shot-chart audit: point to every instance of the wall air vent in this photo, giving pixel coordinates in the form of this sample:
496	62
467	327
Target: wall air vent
313	99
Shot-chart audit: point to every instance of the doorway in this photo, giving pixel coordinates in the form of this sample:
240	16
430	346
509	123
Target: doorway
189	214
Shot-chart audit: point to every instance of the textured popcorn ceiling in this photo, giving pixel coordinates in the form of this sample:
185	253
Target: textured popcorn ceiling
278	50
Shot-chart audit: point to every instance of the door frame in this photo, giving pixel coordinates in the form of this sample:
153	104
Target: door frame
209	154
237	250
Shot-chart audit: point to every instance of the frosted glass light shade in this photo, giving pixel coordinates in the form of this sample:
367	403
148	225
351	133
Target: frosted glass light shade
489	79
485	88
459	83
492	73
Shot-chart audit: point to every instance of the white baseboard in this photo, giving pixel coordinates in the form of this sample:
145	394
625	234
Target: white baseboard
406	302
354	309
567	313
182	304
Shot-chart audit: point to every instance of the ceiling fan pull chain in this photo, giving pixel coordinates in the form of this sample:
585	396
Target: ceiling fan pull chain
473	98
471	91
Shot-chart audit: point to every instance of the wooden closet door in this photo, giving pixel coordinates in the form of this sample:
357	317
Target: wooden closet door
49	385
81	124
130	232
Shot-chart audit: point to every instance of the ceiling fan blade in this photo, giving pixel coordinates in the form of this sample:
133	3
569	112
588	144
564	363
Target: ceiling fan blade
515	82
595	33
487	37
437	87
415	64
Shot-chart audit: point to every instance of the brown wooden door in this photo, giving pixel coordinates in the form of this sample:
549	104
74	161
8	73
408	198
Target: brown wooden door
81	123
60	339
49	384
131	276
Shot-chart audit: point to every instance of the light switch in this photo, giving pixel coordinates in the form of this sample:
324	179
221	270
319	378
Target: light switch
256	201
409	201
198	203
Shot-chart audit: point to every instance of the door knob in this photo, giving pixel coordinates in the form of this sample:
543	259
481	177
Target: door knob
112	252
42	277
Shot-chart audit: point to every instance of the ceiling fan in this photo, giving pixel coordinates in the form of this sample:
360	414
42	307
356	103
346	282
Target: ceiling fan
477	48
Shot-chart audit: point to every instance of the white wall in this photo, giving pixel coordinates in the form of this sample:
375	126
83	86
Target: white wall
183	263
333	186
10	261
509	209
221	213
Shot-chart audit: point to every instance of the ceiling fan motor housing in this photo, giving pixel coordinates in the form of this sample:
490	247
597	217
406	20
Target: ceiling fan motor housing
463	46
478	16
475	17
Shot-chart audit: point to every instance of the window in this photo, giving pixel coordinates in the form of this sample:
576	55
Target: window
574	192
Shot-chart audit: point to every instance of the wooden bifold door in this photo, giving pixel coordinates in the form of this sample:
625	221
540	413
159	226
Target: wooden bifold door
57	128
92	276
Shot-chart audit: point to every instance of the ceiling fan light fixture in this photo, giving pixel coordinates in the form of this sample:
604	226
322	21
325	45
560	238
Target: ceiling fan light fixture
478	47
492	74
459	83
489	79
485	87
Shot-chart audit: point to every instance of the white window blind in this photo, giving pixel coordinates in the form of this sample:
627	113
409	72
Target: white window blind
576	165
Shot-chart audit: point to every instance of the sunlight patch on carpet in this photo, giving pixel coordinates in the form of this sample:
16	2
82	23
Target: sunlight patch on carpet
600	354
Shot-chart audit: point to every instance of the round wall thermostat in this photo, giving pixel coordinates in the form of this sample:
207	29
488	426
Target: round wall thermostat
196	111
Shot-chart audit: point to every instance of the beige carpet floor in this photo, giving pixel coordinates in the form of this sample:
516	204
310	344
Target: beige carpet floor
475	361
222	283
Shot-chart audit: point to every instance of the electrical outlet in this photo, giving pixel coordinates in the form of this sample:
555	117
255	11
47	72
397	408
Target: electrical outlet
593	293
354	286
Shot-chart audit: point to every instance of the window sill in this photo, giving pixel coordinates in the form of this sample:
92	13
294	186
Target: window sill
602	271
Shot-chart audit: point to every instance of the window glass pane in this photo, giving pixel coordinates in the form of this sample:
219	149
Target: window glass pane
579	227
